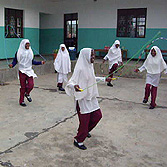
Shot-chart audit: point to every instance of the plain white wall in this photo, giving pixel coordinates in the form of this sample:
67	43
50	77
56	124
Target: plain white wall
103	13
99	14
1	16
31	8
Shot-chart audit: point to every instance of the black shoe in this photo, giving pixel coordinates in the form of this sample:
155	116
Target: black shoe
82	147
23	104
109	84
89	135
61	89
145	101
151	107
28	98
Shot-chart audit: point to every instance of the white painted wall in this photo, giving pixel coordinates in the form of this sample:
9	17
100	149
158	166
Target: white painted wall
31	8
99	14
103	13
1	16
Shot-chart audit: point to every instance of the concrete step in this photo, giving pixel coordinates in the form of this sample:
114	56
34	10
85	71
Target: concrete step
7	74
10	74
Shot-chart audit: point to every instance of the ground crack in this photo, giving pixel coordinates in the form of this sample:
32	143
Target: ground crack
101	99
36	135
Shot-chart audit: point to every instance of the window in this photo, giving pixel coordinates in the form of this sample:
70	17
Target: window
13	23
71	30
71	25
131	23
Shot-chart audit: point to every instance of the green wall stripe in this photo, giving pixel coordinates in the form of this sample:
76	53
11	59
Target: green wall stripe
33	34
95	38
12	44
46	40
98	38
50	39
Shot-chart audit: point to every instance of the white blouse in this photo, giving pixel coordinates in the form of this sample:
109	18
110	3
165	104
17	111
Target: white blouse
152	79
87	106
113	61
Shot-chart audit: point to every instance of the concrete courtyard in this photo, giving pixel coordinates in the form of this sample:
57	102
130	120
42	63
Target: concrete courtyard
41	134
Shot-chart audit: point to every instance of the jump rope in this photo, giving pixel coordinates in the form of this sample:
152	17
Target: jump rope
140	52
5	48
143	52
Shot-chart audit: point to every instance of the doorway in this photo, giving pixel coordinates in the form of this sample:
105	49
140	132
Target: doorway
71	30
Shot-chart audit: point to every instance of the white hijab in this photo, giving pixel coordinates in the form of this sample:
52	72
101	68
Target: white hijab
155	65
62	63
114	53
24	58
83	76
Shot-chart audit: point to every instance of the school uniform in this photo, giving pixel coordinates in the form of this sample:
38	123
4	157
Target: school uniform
87	106
114	56
25	59
62	65
154	66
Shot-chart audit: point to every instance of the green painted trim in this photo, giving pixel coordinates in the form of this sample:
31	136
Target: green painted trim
33	34
50	39
95	37
46	40
12	44
98	38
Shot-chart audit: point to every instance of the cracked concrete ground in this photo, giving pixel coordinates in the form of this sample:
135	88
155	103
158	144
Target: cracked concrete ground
41	135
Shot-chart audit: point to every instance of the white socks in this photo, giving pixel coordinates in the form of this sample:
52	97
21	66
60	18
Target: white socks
80	144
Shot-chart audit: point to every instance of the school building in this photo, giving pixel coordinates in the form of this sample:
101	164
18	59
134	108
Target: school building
80	23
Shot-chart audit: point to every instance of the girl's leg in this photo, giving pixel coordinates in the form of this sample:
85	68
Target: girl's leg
59	80
114	67
65	78
23	78
83	125
153	96
147	92
94	119
30	85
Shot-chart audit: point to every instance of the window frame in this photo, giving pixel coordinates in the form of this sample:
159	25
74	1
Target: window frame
70	18
18	25
137	13
72	29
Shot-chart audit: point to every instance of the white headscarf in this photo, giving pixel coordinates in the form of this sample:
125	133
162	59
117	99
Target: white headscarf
114	54
155	65
62	63
24	58
84	77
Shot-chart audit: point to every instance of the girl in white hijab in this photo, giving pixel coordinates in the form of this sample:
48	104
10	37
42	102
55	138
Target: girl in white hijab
114	56
87	106
24	57
154	65
62	65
